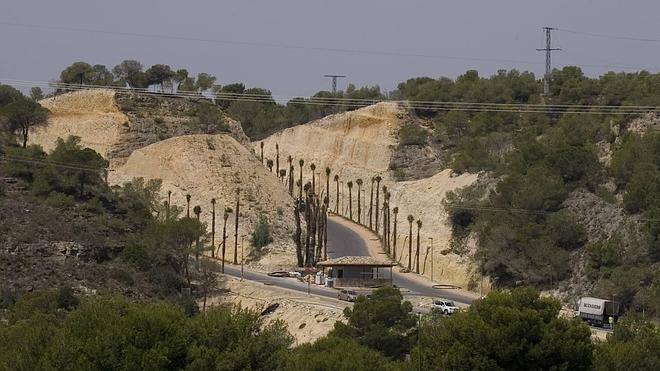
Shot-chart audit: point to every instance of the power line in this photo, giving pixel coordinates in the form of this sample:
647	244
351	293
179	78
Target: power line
356	103
609	36
294	47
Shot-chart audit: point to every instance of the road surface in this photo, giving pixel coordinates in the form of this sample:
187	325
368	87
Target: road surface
286	283
344	240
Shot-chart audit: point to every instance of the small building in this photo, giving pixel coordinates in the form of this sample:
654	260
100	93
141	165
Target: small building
357	271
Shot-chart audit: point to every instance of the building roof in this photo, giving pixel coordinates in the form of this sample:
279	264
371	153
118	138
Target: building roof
356	261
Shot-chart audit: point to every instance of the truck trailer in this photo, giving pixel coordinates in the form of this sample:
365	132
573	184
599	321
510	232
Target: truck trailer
597	312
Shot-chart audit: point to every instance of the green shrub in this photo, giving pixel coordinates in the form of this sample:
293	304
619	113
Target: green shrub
262	234
411	134
60	200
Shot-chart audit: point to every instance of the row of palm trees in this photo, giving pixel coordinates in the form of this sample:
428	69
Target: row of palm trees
379	215
197	210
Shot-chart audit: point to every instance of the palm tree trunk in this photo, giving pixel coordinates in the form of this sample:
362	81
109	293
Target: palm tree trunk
337	200
224	244
297	236
213	230
350	203
377	200
359	210
238	212
394	236
417	253
410	248
371	202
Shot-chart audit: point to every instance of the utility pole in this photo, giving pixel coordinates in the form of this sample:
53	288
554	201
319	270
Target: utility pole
548	63
334	81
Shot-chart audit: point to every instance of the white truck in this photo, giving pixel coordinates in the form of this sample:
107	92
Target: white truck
444	306
598	312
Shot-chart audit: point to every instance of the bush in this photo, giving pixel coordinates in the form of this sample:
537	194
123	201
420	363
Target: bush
411	134
262	234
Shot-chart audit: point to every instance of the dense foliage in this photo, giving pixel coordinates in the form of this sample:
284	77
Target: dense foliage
53	331
515	330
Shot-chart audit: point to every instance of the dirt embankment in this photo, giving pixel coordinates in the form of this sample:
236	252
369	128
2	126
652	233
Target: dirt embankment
149	137
215	166
308	318
361	144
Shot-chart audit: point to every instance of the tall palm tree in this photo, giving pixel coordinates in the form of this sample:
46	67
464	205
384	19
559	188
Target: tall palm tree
410	222
169	203
386	218
228	211
327	182
395	211
359	210
378	178
308	221
337	199
301	163
262	152
291	180
213	227
313	167
269	164
197	210
350	199
277	158
188	207
419	226
290	161
326	206
238	205
371	203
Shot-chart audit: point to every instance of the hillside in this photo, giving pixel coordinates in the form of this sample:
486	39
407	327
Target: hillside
213	166
362	144
178	141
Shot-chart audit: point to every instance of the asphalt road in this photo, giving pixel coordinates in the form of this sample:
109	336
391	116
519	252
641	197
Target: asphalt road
343	241
286	283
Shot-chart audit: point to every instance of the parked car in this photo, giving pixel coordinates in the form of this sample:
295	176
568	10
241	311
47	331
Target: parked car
279	274
444	306
348	295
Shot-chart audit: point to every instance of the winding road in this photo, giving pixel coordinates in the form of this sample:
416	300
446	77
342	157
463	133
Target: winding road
343	240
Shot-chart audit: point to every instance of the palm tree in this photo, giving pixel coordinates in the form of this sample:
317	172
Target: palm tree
269	164
238	205
350	200
197	210
291	180
277	158
386	218
326	206
169	203
410	221
378	179
301	163
282	174
290	160
359	210
213	227
262	152
337	199
327	182
228	211
419	226
371	202
395	211
313	167
188	208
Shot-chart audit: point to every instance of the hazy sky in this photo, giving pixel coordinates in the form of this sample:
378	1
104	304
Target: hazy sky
447	37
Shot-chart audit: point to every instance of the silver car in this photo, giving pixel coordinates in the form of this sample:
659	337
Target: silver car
348	295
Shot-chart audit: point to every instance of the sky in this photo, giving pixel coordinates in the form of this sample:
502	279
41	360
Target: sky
287	46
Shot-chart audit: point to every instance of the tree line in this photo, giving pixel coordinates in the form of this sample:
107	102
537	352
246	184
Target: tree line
508	330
